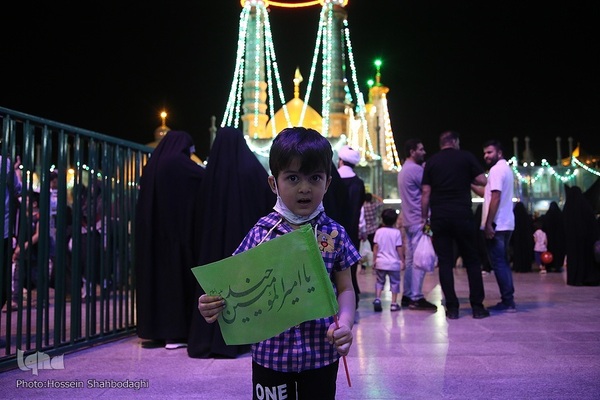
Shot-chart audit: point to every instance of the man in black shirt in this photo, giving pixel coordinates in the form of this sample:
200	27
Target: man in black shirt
447	180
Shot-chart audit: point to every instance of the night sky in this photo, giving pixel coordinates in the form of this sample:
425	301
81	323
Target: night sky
488	69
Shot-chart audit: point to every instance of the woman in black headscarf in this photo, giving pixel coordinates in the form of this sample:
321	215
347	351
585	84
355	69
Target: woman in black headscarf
167	241
236	195
522	239
554	227
581	231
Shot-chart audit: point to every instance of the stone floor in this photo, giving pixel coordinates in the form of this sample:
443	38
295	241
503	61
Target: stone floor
549	349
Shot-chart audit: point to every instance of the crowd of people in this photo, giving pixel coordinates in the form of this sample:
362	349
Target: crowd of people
237	195
32	240
190	215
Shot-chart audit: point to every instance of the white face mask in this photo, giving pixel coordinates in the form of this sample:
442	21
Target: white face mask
289	216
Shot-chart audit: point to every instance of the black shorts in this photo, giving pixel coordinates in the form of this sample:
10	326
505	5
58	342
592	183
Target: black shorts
312	384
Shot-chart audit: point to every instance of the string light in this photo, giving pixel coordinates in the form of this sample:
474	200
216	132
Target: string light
325	46
392	160
275	69
232	110
568	176
313	67
258	42
360	101
575	161
326	54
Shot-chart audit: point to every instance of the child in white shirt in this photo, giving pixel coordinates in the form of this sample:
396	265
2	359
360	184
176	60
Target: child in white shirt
388	258
540	245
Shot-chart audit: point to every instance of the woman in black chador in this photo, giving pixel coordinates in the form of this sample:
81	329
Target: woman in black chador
554	227
167	241
522	240
235	195
581	231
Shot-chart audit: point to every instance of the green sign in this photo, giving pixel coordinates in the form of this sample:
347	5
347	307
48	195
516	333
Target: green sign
270	288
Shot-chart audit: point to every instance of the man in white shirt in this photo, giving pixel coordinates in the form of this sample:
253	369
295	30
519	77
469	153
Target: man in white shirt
498	221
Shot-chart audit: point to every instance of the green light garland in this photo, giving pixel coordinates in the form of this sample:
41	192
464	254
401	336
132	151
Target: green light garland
361	108
546	168
575	161
313	67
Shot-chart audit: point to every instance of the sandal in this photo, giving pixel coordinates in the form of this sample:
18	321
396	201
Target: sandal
377	305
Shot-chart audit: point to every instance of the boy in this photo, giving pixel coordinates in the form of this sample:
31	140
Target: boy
301	362
540	245
388	258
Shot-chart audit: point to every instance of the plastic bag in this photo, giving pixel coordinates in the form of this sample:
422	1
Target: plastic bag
424	257
366	253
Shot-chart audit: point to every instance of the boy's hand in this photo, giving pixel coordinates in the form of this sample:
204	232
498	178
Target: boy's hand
210	307
340	337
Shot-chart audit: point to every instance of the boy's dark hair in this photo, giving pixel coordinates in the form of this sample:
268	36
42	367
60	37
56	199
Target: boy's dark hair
411	144
368	197
312	148
389	216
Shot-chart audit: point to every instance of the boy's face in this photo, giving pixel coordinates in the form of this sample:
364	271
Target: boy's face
301	193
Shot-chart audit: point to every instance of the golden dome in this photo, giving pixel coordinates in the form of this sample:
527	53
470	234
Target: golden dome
312	119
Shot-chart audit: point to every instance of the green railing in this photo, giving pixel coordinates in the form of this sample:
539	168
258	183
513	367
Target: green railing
76	287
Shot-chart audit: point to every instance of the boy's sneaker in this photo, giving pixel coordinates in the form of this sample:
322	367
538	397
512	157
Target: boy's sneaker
422	304
377	305
501	307
543	271
395	307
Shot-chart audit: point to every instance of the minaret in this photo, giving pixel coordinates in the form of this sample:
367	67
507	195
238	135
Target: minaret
254	106
379	143
570	139
527	154
377	95
162	130
334	95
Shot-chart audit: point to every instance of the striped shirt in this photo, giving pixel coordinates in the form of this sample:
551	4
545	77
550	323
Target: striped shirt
372	212
305	346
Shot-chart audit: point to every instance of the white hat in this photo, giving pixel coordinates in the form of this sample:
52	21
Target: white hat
349	155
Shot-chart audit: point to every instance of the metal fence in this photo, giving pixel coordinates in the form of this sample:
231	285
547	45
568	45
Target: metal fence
67	263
